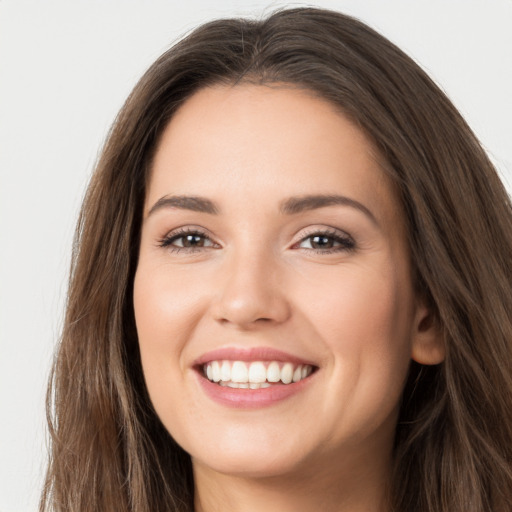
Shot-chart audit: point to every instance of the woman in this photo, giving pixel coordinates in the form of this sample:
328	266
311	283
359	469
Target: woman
291	288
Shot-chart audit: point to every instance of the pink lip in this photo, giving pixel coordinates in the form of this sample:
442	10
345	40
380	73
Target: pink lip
251	354
250	398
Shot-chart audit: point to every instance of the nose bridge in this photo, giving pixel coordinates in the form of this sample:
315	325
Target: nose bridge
249	290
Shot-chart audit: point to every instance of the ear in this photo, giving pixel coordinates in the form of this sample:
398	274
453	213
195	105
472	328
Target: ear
427	345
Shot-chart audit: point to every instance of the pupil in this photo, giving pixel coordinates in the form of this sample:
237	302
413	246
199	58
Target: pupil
193	241
321	242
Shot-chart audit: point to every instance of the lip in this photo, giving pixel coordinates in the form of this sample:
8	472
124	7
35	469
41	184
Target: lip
250	398
249	354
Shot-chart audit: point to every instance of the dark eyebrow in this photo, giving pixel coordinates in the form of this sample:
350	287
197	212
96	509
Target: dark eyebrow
290	206
193	203
295	205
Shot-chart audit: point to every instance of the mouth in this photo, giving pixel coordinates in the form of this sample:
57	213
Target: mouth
255	374
248	378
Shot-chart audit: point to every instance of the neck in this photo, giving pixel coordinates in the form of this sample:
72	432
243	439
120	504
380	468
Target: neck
330	489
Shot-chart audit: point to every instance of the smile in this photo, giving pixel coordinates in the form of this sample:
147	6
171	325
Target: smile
256	374
253	377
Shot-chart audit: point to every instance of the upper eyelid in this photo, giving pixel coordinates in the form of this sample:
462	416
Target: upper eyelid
184	230
325	230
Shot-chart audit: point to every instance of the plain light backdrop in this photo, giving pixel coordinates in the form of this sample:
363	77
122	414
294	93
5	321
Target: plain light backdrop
65	69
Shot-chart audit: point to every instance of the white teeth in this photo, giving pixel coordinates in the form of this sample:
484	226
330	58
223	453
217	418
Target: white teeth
287	373
254	375
225	371
215	371
239	372
273	372
257	372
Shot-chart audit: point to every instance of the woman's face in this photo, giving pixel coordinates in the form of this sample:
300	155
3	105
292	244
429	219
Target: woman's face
273	249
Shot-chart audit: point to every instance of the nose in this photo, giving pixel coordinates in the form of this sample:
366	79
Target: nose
250	293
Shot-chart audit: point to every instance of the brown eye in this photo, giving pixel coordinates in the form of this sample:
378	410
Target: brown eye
327	242
187	240
322	242
192	241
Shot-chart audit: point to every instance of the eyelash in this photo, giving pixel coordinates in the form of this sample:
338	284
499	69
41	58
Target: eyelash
346	242
182	233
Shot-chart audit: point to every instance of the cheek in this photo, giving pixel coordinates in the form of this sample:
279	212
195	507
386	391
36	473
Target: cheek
364	320
360	307
166	306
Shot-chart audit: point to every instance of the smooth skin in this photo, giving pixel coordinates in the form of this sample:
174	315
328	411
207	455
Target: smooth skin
328	283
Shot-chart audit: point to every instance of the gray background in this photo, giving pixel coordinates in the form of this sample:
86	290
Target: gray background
65	69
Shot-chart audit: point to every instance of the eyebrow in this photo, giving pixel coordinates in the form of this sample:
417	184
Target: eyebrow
295	205
193	203
290	206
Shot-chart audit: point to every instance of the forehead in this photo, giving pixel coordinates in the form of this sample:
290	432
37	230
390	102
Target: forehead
261	143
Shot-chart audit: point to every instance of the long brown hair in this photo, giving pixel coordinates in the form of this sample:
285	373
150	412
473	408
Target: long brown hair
453	449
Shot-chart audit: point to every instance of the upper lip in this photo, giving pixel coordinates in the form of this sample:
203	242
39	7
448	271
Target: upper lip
249	354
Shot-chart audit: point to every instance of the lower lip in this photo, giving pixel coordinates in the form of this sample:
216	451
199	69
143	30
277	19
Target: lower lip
252	398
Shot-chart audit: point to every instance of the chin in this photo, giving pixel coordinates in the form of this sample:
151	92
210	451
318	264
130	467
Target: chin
250	467
253	457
